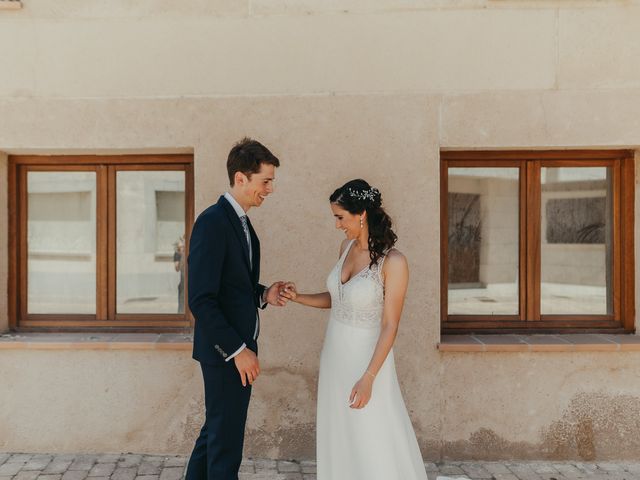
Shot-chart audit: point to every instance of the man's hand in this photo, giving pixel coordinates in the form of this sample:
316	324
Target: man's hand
247	365
273	295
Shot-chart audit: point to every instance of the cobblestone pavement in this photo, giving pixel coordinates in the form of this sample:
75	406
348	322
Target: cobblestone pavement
22	466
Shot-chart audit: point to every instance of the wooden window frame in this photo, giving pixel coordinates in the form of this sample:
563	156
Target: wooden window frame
106	317
529	319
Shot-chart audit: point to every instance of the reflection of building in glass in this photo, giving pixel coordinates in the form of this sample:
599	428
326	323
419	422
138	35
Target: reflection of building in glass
483	209
484	224
150	217
62	241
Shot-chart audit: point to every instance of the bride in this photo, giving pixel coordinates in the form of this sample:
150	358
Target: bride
363	429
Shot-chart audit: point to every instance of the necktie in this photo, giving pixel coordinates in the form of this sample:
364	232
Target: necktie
245	227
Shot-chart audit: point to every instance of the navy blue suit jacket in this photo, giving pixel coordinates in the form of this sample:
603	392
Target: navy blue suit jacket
224	293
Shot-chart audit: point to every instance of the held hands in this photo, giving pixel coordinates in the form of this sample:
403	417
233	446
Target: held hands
273	296
288	292
361	392
248	366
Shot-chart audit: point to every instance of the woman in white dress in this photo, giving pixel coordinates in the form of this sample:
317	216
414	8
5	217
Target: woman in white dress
363	429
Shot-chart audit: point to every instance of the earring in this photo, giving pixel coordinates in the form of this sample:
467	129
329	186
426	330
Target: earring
361	224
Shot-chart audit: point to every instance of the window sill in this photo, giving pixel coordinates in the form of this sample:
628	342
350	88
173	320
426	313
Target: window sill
95	341
540	343
10	5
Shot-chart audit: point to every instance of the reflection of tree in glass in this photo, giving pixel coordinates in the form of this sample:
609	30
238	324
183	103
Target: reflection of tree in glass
576	220
464	237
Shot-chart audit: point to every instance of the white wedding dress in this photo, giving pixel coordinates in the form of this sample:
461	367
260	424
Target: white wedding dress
378	441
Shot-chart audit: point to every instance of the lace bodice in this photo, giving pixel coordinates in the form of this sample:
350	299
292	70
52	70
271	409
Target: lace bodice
359	301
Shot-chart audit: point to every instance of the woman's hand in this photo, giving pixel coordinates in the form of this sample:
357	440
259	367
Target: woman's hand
361	392
288	291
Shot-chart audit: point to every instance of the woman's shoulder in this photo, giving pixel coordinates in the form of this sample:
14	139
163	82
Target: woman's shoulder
395	260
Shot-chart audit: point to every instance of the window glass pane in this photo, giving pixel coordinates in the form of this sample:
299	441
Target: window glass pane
150	241
483	214
576	254
61	242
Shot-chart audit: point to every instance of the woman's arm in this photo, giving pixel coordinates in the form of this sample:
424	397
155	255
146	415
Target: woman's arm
317	300
396	279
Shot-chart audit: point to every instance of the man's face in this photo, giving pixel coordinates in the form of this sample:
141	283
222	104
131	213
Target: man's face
252	192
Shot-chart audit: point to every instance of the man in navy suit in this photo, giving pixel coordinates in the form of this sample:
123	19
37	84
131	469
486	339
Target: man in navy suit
224	297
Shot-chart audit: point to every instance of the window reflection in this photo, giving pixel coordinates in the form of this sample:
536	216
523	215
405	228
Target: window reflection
483	248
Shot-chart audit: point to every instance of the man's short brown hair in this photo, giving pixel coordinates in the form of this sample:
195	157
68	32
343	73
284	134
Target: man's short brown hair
246	156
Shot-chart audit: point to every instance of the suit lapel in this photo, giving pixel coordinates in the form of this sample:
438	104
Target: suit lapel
237	227
255	246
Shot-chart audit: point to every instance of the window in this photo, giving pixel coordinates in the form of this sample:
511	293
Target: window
99	241
537	241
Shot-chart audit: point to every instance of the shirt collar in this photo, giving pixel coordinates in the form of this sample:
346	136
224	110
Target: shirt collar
234	203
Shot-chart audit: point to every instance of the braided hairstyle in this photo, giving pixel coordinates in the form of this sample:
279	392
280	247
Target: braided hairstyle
356	197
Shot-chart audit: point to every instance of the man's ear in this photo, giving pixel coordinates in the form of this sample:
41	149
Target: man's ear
239	178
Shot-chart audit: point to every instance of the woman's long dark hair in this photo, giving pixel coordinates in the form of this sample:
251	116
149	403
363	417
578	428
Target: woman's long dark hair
356	197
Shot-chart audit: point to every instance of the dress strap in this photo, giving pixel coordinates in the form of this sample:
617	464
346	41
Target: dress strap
381	264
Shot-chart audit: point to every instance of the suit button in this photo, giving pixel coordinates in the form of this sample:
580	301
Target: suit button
224	355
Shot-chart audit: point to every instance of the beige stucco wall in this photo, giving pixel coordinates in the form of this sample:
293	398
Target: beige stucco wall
376	92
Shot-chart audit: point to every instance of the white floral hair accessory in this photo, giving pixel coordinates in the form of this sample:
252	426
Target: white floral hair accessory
370	194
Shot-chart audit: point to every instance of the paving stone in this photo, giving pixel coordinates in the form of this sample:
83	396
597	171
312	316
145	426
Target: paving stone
10	468
543	468
38	462
124	473
27	475
75	475
19	458
504	476
171	473
67	457
102	469
247	468
4	457
311	476
50	477
450	469
610	467
57	466
495	467
147	477
629	467
149	468
83	462
129	460
307	466
6	477
475	470
265	464
430	467
108	458
288	467
179	462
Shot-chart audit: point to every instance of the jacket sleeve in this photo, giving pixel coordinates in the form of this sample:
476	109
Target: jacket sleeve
259	292
207	251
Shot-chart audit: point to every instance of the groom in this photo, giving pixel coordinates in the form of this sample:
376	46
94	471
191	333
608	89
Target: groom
224	297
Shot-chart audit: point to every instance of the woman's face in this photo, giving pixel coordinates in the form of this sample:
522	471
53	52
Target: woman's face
349	223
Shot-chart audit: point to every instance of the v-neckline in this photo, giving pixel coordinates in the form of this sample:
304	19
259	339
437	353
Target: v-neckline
342	265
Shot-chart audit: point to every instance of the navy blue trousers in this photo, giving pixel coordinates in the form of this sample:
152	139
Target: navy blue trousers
217	453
